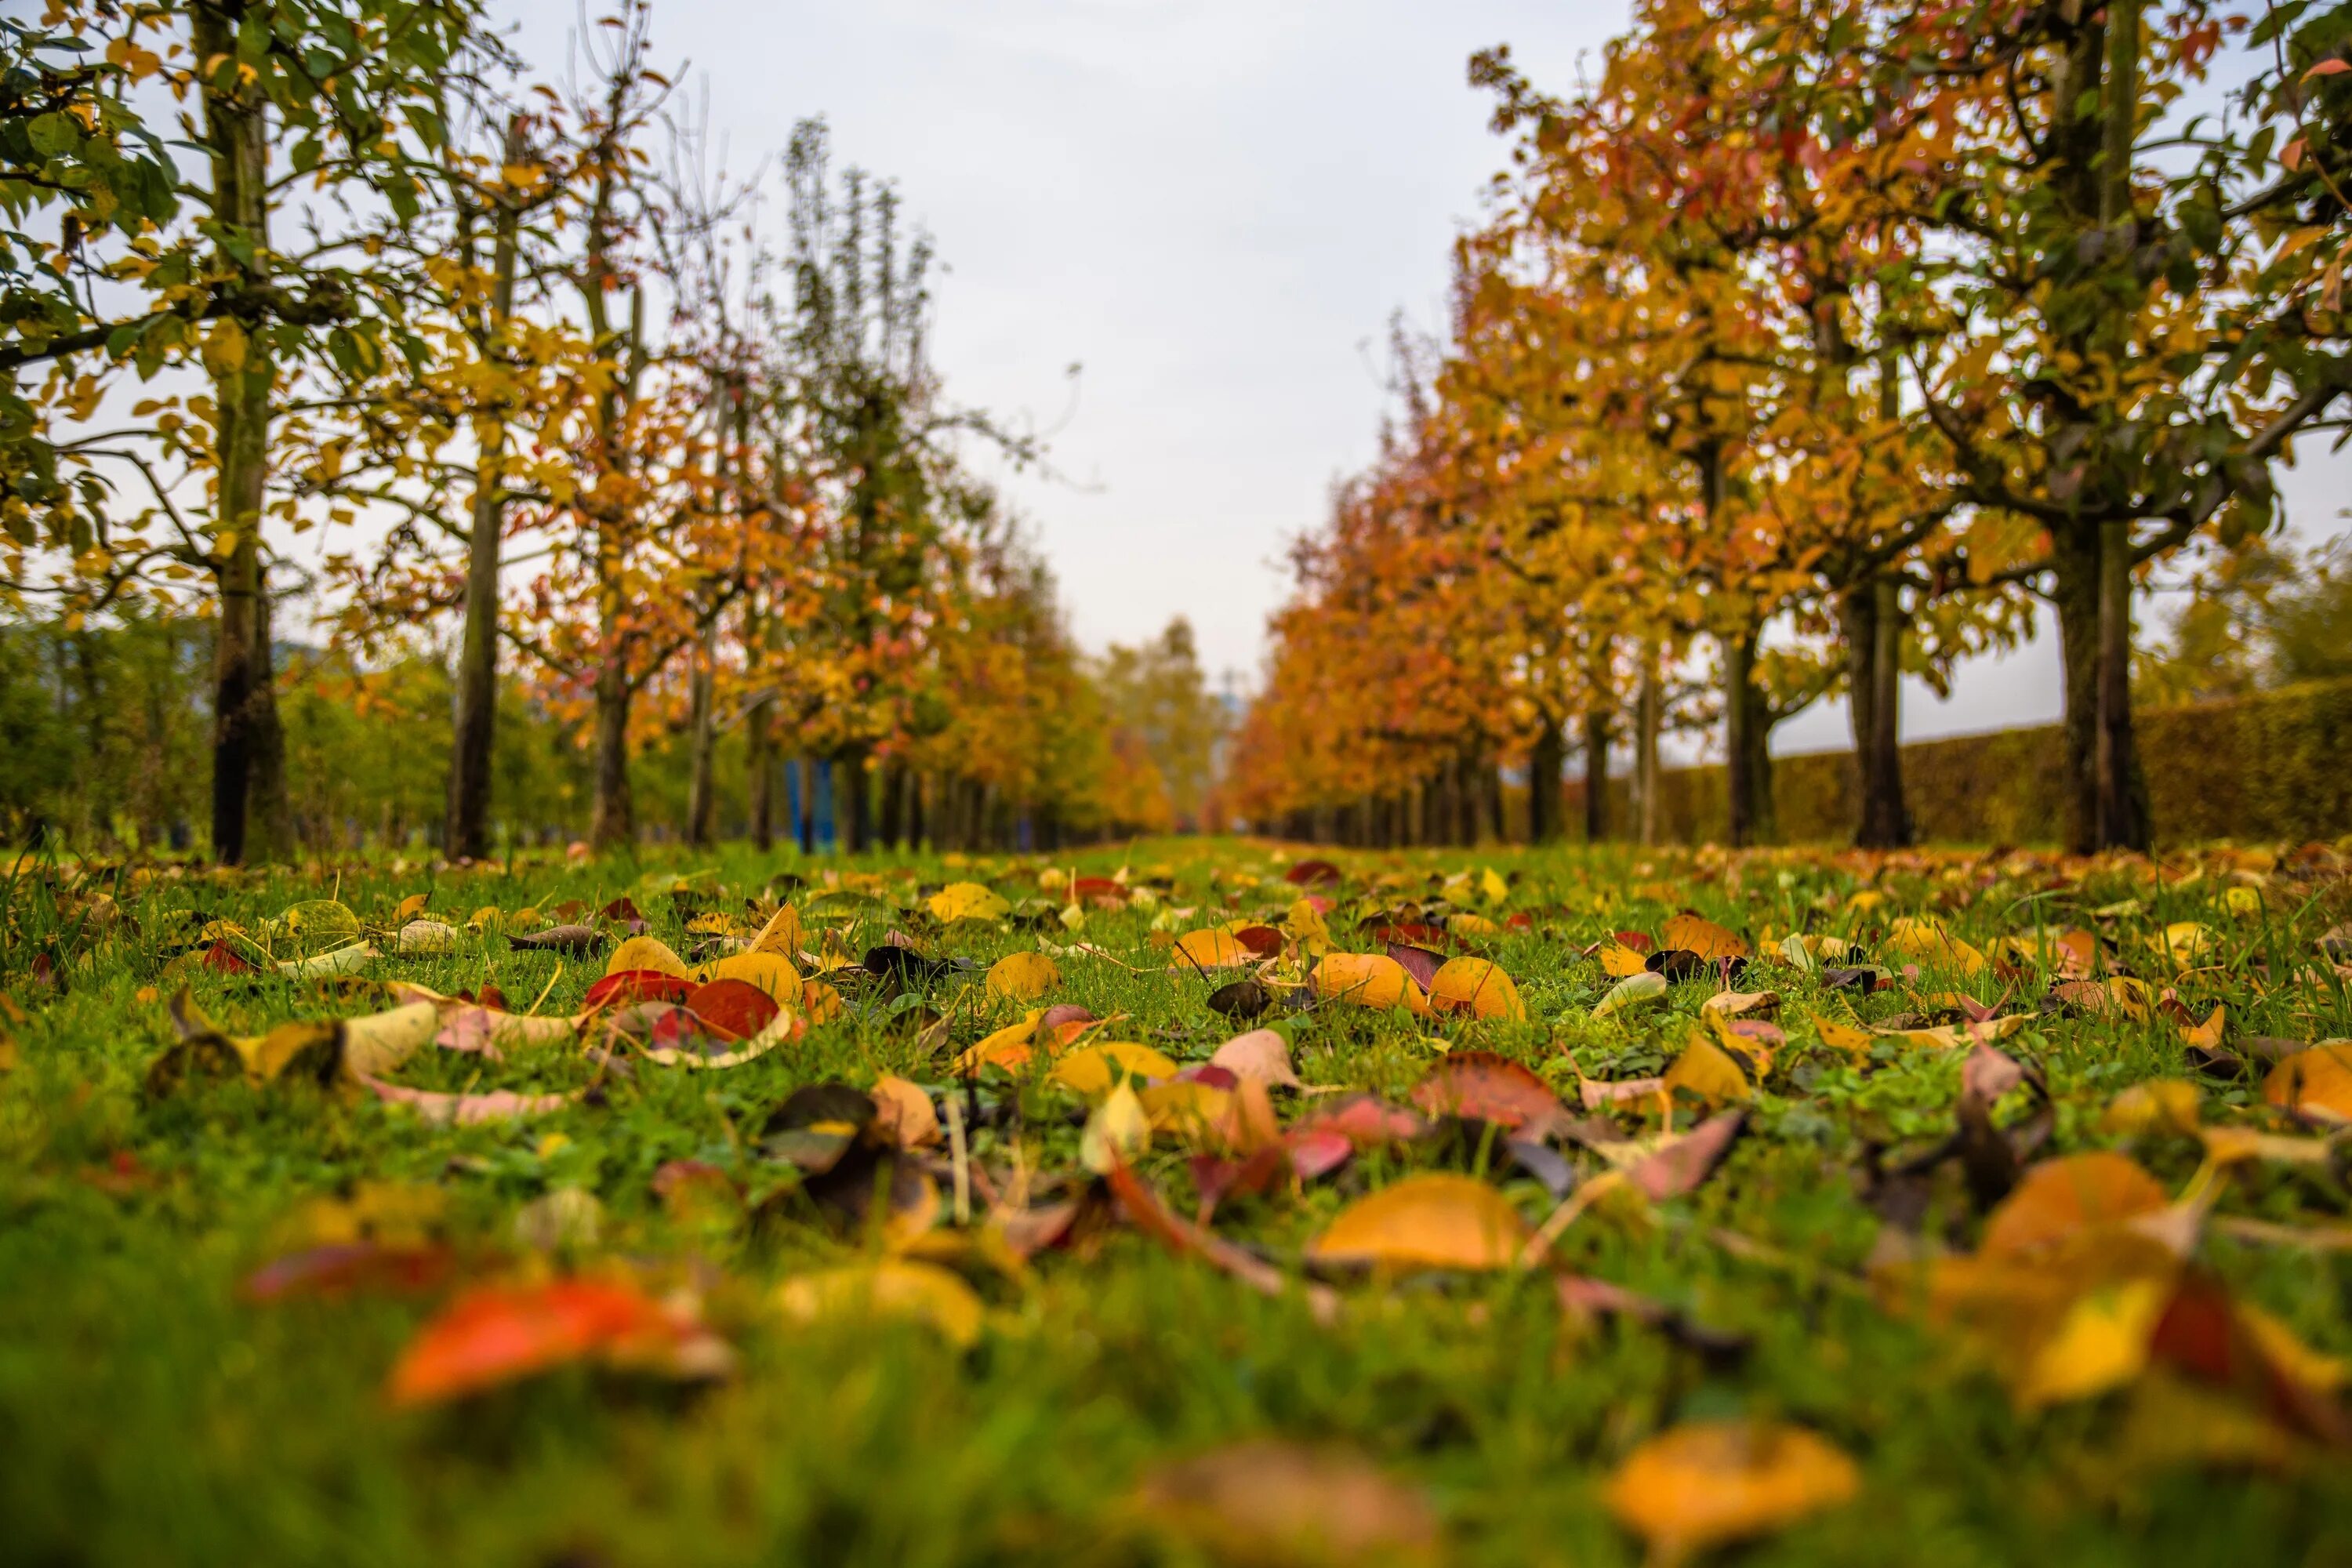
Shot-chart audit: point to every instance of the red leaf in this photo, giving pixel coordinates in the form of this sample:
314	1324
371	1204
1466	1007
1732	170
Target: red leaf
1263	941
639	985
734	1008
1311	873
1483	1087
350	1270
496	1334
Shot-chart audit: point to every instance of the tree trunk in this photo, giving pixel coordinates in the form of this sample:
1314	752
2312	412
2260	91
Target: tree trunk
2074	595
2122	792
1546	758
1490	796
853	810
760	770
1649	718
894	803
612	820
915	814
805	774
1872	623
702	734
1748	772
467	833
1596	776
244	702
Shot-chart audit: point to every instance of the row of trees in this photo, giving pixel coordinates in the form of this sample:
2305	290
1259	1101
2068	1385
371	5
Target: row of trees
660	448
1811	344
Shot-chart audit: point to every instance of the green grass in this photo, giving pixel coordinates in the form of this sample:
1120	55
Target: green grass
147	1414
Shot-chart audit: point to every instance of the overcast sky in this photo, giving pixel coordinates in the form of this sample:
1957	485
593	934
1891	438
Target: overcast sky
1214	206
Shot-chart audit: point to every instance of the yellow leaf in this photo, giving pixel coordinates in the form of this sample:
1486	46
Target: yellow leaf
1437	1220
905	1112
771	972
1200	950
967	901
1007	1047
1369	979
2186	942
2315	1083
1477	987
1707	1069
1696	933
894	1288
2101	1344
1707	1482
2160	1105
1093	1069
1928	944
1619	961
646	953
783	935
1118	1133
2059	1199
1022	976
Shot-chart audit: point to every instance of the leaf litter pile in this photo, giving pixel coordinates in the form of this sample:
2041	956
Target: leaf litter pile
1207	1201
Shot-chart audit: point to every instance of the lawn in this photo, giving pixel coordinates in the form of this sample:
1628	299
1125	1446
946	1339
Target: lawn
2021	1254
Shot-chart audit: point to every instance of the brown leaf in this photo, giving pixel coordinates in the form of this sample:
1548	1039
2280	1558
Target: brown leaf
1483	1087
1274	1503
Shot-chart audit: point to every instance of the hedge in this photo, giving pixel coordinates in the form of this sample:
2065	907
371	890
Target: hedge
2275	767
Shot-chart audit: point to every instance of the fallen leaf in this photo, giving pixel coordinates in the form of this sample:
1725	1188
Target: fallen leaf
1475	986
643	952
1117	1134
1022	976
1207	950
904	1113
966	901
2157	1105
1276	1504
1697	934
1261	1055
2314	1083
1483	1087
2059	1199
1093	1069
497	1334
1369	979
894	1288
1631	991
1704	1483
1707	1070
1435	1220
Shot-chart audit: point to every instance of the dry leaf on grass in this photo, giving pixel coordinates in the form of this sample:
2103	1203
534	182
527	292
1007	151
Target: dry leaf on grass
1280	1505
1435	1220
1708	1482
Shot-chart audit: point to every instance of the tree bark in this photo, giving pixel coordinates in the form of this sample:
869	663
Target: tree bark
248	748
613	819
467	832
1596	776
1649	718
1747	774
806	773
1546	758
2121	799
853	809
2075	596
1872	617
760	768
702	733
894	803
